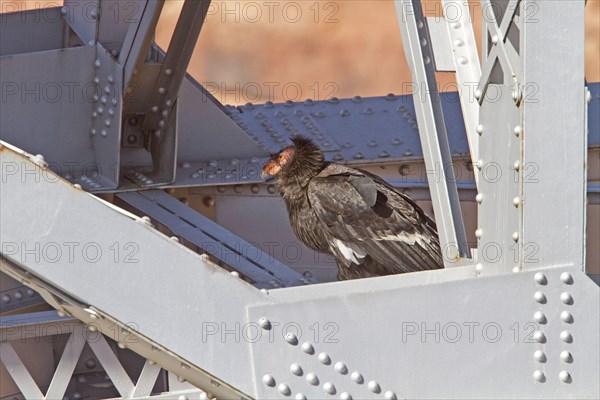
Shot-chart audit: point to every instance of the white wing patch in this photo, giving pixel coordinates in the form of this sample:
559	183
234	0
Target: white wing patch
350	254
410	238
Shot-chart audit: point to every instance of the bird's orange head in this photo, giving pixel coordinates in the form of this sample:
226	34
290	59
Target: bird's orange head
277	162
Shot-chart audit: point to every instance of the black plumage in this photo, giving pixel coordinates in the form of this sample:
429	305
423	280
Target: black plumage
370	227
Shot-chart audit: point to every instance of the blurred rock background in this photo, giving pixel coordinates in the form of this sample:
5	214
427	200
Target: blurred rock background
279	50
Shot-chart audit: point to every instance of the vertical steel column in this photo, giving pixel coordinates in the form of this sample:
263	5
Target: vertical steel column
432	130
533	147
554	133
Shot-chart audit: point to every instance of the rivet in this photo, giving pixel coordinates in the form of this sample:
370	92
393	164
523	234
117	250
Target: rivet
479	129
235	273
324	358
300	396
384	154
566	337
479	164
539	337
296	369
539	376
328	387
357	99
92	328
107	122
271	189
539	317
264	323
341	368
359	156
478	233
312	379
515	236
478	94
566	316
516	95
459	43
155	109
389	395
539	356
291	338
107	89
516	201
104	133
367	111
121	345
566	357
517	130
516	165
540	297
308	348
268	380
427	59
588	95
338	157
357	377
344	113
408	153
567	278
566	298
390	96
479	267
284	389
345	396
495	39
93	131
565	377
479	198
162	90
374	387
540	278
97	63
182	397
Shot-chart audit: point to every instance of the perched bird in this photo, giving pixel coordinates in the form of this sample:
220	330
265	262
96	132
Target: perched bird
371	228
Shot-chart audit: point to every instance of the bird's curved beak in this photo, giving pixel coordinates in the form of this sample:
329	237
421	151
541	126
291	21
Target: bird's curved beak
269	170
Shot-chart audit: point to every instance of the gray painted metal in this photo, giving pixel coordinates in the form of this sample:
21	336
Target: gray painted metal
461	342
560	158
120	268
188	225
434	138
466	65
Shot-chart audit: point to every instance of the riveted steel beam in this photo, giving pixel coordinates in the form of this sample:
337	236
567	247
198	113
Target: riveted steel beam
434	138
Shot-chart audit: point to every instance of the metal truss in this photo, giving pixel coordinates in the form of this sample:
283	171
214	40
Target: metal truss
39	327
530	312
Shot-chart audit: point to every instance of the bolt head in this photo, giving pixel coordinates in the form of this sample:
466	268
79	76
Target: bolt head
566	298
296	369
539	317
564	376
540	297
539	356
374	387
567	317
567	278
268	380
264	323
539	376
540	278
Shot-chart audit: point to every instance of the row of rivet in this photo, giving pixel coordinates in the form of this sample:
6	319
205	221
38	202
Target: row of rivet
311	377
17	295
565	335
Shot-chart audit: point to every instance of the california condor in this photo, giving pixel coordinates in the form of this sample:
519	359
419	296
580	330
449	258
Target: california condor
370	227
